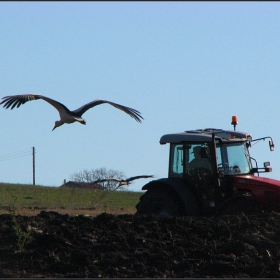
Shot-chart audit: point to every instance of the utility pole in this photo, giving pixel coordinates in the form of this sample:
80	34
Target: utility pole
33	156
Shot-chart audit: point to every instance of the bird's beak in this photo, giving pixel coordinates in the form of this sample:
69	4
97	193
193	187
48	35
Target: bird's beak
54	128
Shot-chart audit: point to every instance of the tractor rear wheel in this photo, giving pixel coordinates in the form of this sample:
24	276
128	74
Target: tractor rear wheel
161	202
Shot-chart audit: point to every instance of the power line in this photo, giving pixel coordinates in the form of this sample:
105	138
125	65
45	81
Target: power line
14	155
19	154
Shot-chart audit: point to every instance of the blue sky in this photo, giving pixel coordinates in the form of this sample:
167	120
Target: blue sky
183	65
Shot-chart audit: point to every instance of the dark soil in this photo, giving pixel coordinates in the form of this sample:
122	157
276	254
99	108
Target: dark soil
120	246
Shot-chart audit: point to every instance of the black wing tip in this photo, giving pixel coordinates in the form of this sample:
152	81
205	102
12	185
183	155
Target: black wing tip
18	100
11	101
5	99
139	120
136	115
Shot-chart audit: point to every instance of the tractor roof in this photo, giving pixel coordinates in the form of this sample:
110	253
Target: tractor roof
205	135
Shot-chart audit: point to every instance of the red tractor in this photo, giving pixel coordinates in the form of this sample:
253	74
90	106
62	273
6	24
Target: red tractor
211	172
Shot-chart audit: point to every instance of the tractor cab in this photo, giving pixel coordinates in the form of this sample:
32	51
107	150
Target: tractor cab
209	159
210	171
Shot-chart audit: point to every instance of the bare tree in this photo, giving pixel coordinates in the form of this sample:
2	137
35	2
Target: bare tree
90	176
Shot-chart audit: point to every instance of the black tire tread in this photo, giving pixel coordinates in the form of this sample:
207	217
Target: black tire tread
160	196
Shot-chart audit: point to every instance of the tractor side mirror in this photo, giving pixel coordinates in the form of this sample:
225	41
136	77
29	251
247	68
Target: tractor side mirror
271	145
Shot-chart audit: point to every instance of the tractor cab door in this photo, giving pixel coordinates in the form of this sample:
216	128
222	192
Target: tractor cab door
193	163
199	171
233	159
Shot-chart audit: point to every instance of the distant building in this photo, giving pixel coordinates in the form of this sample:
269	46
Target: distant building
81	185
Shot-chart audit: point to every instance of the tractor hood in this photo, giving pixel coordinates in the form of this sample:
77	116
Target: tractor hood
249	180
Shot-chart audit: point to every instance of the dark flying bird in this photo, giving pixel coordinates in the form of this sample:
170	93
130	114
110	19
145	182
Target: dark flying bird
123	181
66	116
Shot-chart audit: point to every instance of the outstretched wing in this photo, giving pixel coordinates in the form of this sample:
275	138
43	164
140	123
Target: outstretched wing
123	181
132	112
139	177
106	180
17	100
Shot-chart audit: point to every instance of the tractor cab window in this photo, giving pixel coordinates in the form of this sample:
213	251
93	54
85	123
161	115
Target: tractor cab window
186	158
176	160
233	159
199	157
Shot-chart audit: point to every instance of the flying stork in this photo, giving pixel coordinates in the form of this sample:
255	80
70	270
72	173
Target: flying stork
122	182
66	116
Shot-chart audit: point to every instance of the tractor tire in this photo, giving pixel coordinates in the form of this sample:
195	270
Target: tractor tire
161	202
241	206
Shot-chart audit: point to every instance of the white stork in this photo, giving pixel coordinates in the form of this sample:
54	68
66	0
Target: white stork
66	116
122	182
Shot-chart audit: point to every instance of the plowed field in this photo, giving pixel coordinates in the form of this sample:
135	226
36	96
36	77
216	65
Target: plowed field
54	245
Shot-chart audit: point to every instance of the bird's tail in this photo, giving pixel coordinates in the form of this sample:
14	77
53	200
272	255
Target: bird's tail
80	120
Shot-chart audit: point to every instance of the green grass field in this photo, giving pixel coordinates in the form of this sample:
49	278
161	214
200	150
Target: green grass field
17	197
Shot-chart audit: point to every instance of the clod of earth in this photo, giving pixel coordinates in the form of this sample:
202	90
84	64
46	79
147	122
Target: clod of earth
121	246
